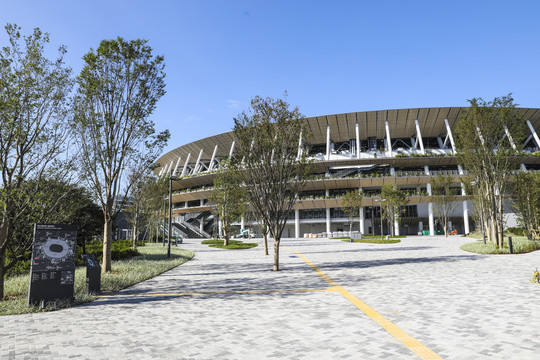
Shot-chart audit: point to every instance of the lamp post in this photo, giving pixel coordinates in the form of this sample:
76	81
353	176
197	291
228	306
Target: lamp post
381	201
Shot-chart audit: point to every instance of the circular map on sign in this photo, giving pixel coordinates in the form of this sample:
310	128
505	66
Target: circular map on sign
55	248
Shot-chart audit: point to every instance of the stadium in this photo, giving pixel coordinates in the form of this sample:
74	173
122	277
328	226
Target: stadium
361	151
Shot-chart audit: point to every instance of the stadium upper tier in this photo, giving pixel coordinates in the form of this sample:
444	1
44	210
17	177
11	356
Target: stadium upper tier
350	136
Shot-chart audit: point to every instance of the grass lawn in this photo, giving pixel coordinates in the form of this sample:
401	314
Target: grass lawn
233	244
369	239
152	261
520	245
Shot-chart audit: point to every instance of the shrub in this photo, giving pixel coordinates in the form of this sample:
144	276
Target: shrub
121	249
536	277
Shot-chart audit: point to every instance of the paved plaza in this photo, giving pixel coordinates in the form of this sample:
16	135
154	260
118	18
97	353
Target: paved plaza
421	298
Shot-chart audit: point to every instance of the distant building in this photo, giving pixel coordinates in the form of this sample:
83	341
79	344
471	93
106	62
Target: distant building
360	151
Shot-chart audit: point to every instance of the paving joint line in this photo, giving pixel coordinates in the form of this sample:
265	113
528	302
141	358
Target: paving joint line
410	342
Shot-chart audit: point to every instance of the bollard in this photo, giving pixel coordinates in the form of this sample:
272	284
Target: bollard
510	247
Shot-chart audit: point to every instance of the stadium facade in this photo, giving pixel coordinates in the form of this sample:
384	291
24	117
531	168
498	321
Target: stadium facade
360	151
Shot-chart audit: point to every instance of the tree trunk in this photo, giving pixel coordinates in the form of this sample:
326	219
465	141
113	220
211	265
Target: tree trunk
276	254
225	237
2	271
107	246
265	241
134	235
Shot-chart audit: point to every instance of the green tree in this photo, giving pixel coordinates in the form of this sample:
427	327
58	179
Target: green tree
443	198
393	205
351	203
144	200
33	110
118	90
228	196
274	168
489	136
53	201
526	202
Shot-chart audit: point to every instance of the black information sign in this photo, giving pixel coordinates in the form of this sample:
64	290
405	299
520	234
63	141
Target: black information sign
52	272
93	273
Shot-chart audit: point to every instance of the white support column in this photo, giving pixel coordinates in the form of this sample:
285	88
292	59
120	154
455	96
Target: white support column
297	223
185	165
201	225
211	164
449	132
328	223
328	142
466	227
419	138
242	223
220	228
195	169
168	172
534	134
362	221
357	141
176	167
396	227
361	215
232	149
513	144
430	206
388	139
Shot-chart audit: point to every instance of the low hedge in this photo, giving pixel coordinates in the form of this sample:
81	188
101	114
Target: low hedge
121	249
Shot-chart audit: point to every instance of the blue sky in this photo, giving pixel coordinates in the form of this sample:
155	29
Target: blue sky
330	56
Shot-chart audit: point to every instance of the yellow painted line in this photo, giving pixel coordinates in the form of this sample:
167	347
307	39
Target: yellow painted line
211	293
416	346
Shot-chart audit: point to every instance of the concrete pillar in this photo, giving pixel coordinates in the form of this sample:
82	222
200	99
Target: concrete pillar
419	138
232	149
420	226
220	228
466	217
362	221
431	219
388	140
396	227
328	142
185	165
211	164
242	223
328	229
430	206
449	132
201	225
297	223
466	225
176	167
357	141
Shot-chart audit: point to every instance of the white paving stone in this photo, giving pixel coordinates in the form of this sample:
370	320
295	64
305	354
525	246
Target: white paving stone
460	305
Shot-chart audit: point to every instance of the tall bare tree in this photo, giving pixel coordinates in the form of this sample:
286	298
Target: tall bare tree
393	205
526	202
351	205
34	92
144	200
118	90
444	199
274	168
228	196
489	136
